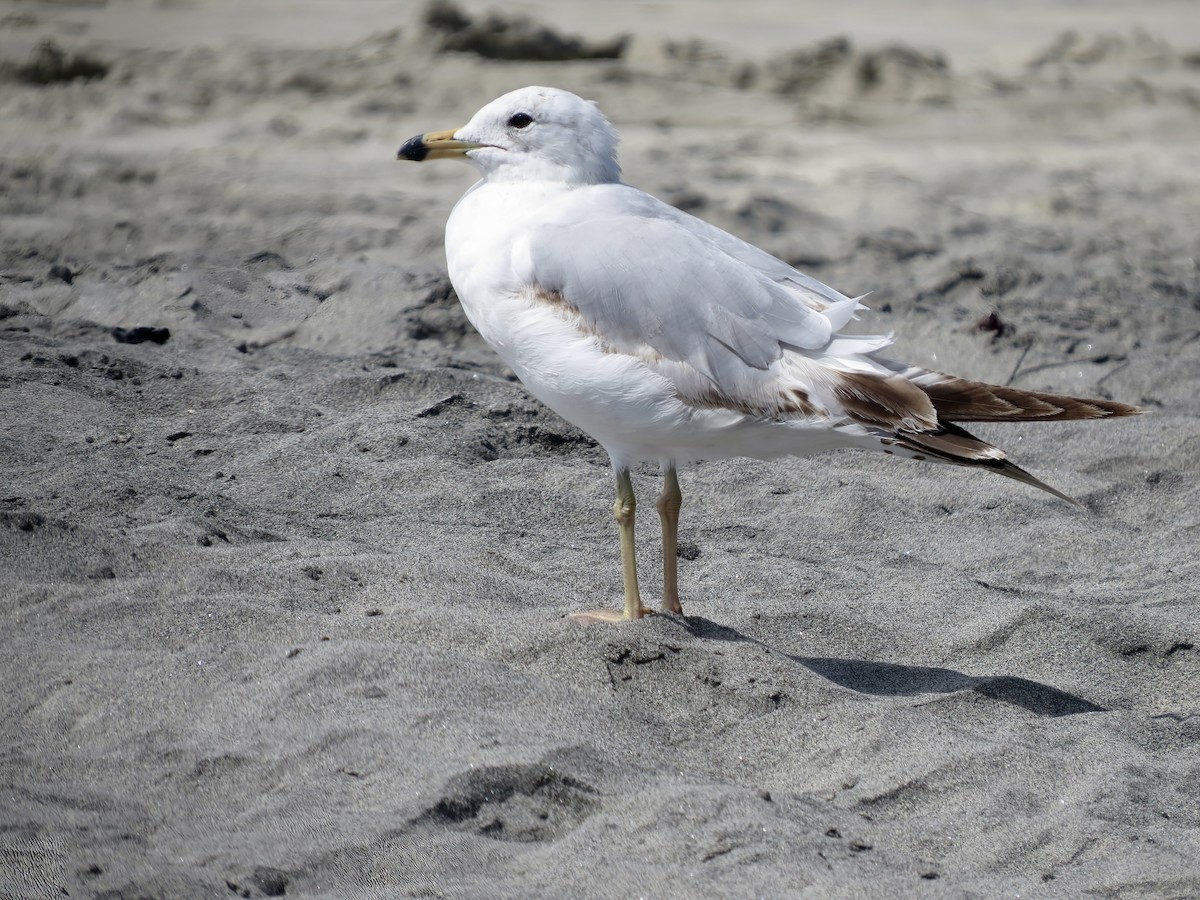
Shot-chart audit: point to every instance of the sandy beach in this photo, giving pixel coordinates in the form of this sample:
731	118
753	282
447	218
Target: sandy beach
286	550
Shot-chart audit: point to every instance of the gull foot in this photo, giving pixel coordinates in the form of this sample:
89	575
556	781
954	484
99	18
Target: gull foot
607	616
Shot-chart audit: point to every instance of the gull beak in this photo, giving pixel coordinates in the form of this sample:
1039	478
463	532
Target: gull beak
436	145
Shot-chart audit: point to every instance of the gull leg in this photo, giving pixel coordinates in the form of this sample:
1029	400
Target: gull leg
668	504
623	511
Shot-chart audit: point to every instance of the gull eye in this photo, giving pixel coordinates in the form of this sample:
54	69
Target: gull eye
520	120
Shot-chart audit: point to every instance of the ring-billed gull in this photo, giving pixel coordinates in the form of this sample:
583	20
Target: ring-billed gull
670	340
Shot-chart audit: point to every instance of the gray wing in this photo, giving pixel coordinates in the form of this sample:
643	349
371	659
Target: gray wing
641	277
810	291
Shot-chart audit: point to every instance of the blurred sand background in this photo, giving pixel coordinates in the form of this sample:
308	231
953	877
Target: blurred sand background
284	550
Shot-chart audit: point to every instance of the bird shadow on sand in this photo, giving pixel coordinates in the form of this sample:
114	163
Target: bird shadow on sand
886	679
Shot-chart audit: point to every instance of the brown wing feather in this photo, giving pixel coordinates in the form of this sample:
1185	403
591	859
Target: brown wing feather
952	444
959	400
920	408
884	401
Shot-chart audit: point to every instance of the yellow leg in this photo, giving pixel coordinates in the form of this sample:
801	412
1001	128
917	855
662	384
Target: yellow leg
668	503
623	511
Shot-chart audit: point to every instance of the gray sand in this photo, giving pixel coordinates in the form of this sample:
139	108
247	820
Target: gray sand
283	594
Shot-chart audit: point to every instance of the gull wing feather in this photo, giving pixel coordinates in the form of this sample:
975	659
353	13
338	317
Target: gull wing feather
677	288
813	294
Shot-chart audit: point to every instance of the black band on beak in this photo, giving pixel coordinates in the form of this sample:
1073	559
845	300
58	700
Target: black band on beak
414	149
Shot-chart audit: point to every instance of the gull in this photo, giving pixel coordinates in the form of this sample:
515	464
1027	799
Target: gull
669	340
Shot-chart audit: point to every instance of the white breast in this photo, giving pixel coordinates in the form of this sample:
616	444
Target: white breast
613	397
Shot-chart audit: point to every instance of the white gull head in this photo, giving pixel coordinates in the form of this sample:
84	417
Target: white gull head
542	134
